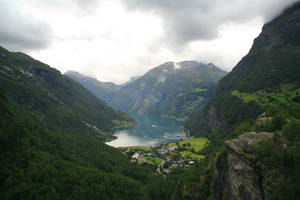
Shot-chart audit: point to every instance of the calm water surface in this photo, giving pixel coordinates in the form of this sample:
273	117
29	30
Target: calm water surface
151	130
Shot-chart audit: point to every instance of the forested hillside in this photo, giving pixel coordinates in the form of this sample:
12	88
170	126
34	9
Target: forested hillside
50	128
54	101
46	153
103	90
271	67
40	164
253	120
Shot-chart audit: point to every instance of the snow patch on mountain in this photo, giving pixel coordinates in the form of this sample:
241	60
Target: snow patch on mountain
176	65
161	79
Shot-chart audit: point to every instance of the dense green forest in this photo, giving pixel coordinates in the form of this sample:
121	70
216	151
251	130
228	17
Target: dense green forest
40	164
50	132
48	151
260	95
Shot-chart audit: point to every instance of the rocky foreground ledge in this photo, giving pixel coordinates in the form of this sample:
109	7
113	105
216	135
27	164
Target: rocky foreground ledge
237	175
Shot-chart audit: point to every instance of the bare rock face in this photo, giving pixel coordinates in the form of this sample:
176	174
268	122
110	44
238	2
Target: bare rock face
213	122
236	176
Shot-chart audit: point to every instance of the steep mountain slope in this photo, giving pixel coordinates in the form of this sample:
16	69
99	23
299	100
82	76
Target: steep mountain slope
171	89
56	102
132	79
103	90
40	164
253	121
272	66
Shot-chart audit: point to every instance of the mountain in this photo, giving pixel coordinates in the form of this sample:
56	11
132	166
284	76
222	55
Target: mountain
55	101
50	128
270	67
42	159
171	89
132	79
103	90
253	120
252	124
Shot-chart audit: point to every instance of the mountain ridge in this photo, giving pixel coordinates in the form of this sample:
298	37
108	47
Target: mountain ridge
103	90
169	89
55	101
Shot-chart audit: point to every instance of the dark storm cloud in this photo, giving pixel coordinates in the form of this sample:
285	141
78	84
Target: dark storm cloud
191	20
18	32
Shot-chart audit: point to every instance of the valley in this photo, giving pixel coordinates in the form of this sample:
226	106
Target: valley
181	131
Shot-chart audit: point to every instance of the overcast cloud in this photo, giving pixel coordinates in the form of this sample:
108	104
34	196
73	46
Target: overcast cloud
21	32
113	40
192	20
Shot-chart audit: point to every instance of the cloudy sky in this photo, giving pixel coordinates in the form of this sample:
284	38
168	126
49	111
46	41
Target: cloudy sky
113	40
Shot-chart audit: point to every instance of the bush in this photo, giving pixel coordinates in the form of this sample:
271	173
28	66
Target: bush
291	131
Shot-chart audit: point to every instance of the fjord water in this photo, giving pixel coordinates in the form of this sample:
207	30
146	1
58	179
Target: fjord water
151	130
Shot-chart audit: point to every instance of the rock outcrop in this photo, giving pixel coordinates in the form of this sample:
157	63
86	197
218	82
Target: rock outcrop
236	175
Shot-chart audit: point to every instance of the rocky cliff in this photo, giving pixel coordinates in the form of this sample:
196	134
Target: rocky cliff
236	175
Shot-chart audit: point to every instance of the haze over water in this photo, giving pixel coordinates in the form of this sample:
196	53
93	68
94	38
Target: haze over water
151	130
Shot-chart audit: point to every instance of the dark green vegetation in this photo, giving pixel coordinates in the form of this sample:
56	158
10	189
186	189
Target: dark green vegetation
41	164
38	164
280	157
171	89
271	66
103	90
252	123
44	155
282	97
256	110
53	100
275	160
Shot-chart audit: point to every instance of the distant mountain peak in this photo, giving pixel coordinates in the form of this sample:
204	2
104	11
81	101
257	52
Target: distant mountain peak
170	89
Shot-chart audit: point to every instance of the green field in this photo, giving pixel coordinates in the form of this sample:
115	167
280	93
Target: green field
191	155
197	143
200	90
136	148
150	160
270	99
153	161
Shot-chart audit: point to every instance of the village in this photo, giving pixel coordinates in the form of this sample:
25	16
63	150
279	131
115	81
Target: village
166	157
